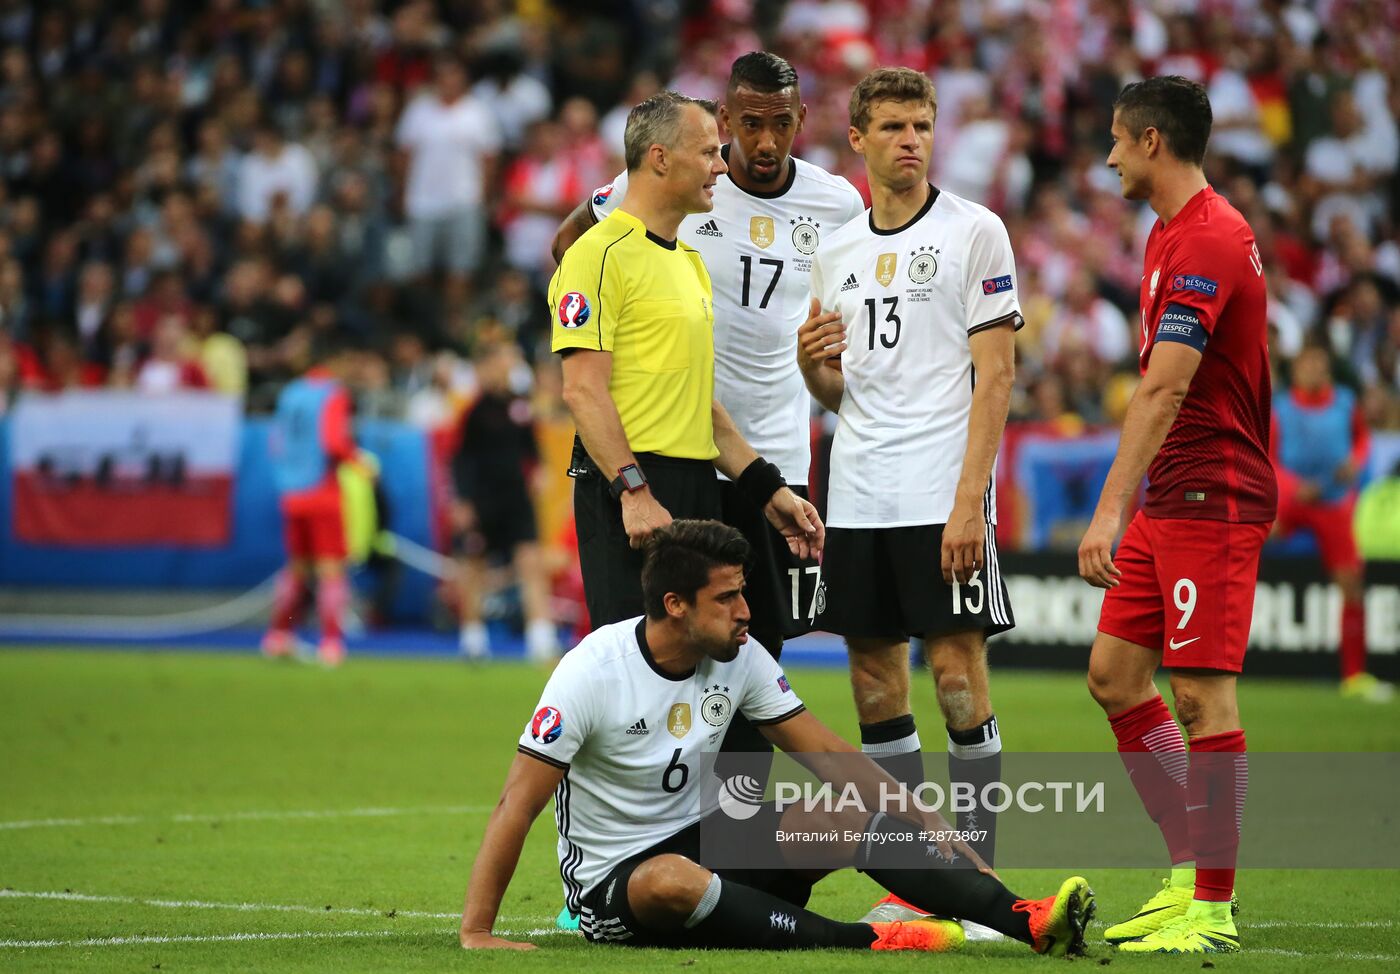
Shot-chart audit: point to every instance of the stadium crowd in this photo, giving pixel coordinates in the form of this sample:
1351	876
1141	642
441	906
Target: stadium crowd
196	194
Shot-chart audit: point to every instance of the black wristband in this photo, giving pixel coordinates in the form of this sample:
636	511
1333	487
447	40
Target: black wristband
760	481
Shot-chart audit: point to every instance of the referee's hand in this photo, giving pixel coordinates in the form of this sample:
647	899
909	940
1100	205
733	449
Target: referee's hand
1096	552
642	514
797	521
821	339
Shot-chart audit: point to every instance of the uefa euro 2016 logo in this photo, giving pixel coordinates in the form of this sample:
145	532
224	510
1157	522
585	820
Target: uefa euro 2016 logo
574	310
547	725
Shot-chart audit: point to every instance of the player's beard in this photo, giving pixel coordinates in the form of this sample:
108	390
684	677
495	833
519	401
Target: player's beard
719	650
730	653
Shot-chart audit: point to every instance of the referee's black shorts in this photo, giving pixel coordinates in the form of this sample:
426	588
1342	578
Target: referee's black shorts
887	583
784	592
612	569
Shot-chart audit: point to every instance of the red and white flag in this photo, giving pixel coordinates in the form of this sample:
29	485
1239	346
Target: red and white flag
108	468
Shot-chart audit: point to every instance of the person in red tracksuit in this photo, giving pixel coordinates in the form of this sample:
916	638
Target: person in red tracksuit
1320	448
311	437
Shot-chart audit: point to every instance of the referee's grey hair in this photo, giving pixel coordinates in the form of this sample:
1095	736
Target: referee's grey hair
657	121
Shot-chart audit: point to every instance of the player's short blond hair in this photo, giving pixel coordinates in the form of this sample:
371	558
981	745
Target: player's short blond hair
890	84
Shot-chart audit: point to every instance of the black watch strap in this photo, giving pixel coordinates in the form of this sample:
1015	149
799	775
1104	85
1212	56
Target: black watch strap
629	478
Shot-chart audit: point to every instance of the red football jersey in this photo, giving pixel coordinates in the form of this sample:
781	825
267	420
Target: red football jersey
1203	285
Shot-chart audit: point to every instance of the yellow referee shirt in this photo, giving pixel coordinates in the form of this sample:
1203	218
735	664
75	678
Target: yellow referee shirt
623	290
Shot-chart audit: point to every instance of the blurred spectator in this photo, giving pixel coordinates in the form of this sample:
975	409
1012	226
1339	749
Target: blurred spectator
222	357
119	349
591	157
515	310
1050	413
493	514
173	363
13	364
249	314
1237	130
614	124
97	293
275	174
60	364
1086	324
1349	167
15	312
215	165
542	187
451	143
514	98
320	260
987	160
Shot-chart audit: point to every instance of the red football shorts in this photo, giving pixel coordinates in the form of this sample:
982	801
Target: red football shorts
1331	525
315	530
1187	589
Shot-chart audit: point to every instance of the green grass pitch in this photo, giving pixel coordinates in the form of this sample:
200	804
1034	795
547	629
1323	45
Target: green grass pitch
191	812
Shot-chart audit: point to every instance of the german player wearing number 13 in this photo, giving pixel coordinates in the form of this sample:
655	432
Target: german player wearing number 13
911	341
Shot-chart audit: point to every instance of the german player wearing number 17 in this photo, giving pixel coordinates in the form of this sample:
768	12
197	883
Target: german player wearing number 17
910	341
1181	586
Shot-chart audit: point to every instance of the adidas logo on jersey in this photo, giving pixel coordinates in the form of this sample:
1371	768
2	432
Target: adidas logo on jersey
709	229
851	284
639	728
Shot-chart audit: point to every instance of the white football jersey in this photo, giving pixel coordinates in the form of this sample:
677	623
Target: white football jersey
638	745
758	248
909	298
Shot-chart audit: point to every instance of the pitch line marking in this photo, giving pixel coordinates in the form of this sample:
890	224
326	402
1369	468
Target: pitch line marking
197	818
1339	955
194	938
70	897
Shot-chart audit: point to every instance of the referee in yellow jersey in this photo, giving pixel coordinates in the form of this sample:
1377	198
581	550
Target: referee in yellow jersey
634	320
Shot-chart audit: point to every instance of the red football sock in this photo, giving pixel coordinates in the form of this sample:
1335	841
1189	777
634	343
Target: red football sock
1353	650
1214	809
287	593
1154	752
332	596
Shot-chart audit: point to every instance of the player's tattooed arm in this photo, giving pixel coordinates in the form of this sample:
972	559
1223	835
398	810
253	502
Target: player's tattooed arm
820	341
528	788
965	535
1150	415
575	225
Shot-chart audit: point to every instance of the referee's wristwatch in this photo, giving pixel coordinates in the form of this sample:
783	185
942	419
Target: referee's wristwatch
629	480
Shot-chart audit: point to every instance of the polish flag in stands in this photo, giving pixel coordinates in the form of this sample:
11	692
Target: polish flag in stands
107	468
